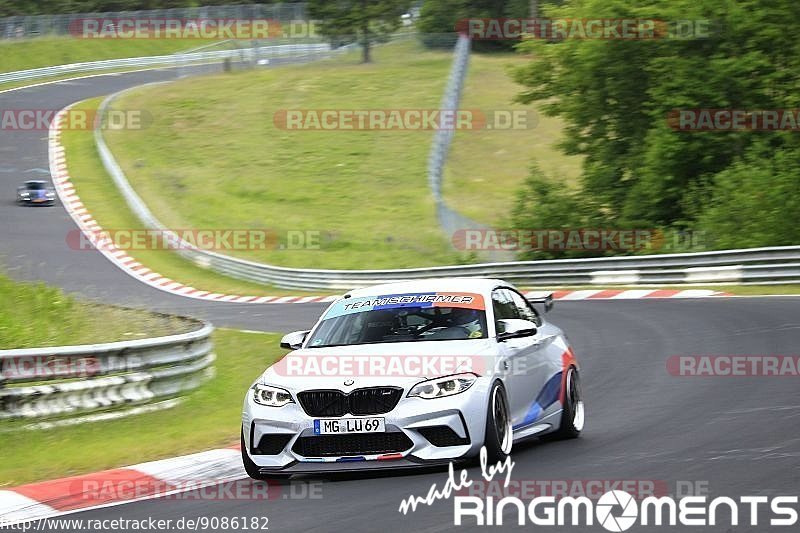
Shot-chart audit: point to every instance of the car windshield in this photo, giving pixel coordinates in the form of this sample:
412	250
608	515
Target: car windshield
35	185
402	318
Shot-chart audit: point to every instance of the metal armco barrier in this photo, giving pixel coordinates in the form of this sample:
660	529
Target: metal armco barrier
77	380
450	220
747	266
173	60
752	266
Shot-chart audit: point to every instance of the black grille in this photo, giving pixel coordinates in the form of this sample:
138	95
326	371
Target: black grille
369	401
272	443
352	444
441	436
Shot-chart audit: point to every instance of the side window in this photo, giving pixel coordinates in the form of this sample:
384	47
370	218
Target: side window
526	311
503	307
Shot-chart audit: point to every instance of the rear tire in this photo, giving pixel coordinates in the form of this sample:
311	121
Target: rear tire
573	415
499	436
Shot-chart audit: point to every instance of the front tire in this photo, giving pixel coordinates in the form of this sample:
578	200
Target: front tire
573	416
499	435
252	469
249	466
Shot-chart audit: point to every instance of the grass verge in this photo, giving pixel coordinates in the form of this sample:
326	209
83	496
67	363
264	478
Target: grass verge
25	54
104	201
208	418
33	315
213	158
486	167
106	204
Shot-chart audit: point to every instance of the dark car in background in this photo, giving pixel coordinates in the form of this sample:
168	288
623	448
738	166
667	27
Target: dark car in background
35	192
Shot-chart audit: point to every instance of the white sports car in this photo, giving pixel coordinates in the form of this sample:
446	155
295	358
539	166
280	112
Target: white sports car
412	374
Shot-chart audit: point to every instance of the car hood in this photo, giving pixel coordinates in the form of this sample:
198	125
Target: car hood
396	364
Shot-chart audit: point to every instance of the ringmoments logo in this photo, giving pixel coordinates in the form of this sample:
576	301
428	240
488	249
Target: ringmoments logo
615	510
618	510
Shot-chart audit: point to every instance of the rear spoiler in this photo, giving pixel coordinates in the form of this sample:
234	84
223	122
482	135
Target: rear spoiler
543	298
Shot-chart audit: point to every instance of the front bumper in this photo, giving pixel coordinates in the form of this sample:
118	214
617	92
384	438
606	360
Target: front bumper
35	201
408	422
304	467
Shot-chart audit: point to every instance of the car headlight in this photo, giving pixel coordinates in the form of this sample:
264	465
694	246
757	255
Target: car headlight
441	387
24	194
50	194
271	396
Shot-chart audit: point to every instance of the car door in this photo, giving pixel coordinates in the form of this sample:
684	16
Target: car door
523	371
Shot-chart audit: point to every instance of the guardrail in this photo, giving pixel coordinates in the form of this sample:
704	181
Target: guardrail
69	381
772	265
172	60
450	220
753	266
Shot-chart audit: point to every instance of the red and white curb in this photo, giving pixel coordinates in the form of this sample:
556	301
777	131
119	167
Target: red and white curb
626	294
196	472
89	226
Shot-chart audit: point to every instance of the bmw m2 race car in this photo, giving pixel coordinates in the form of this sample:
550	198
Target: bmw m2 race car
413	374
35	192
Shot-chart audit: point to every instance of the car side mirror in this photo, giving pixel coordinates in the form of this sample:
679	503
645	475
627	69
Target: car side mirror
294	340
510	328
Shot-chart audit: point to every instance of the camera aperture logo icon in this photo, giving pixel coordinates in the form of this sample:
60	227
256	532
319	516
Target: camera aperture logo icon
607	503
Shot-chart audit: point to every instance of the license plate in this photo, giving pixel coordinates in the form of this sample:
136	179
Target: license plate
39	200
334	426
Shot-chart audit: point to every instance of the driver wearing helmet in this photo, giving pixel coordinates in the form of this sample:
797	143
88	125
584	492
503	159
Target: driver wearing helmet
468	319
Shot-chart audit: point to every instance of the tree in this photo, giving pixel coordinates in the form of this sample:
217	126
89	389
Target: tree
615	96
369	21
545	204
754	202
445	16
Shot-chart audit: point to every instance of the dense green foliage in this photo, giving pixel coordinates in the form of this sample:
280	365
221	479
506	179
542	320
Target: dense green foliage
740	188
368	21
445	16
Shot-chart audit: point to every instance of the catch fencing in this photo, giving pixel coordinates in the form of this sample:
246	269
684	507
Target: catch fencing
54	25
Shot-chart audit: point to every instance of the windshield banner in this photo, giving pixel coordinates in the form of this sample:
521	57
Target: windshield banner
346	306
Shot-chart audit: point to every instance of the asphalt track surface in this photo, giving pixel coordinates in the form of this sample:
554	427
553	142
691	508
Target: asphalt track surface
34	246
738	435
